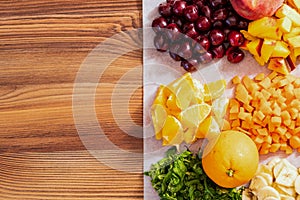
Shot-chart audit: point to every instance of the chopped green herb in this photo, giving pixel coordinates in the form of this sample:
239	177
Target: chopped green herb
181	176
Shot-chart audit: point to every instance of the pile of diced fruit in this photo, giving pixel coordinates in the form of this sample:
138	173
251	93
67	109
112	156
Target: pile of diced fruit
194	32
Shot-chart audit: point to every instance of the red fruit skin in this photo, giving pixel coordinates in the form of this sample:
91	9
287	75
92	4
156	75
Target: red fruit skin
255	9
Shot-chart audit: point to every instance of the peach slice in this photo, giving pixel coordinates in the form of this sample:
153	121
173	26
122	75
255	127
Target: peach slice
254	9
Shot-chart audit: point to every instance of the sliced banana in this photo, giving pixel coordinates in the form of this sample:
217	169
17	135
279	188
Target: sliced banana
277	168
257	183
273	162
264	169
267	191
286	197
247	195
287	176
267	177
290	191
289	165
297	185
270	198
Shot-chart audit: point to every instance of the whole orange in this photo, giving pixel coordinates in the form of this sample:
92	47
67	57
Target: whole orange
231	159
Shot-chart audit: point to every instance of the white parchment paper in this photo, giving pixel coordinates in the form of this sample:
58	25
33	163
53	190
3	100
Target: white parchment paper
159	68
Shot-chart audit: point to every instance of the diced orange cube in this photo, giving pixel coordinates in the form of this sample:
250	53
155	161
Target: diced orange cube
276	120
281	130
274	147
259	77
275	137
263	131
236	80
266	83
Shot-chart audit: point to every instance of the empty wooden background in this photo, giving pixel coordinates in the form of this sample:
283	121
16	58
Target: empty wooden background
42	45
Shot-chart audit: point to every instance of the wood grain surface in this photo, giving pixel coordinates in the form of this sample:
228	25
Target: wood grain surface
42	46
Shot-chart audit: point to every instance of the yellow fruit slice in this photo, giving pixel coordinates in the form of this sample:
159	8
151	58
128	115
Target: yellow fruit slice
209	128
162	95
214	90
194	115
190	135
184	90
219	108
159	115
172	132
172	105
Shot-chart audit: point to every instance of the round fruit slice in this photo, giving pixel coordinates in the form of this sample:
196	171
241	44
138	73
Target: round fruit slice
214	90
257	183
194	115
159	115
266	192
172	132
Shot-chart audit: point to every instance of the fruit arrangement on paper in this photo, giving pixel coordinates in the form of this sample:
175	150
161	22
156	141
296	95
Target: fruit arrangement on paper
260	119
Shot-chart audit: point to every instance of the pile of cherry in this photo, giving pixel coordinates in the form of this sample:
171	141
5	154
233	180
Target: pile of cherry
195	32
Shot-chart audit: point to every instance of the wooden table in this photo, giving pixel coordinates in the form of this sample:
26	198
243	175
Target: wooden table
42	46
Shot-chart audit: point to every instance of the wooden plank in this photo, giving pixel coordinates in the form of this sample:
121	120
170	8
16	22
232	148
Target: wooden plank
42	46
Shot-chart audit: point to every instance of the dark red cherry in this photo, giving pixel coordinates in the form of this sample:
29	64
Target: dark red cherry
161	43
178	7
191	13
234	54
173	32
235	38
202	24
217	37
159	23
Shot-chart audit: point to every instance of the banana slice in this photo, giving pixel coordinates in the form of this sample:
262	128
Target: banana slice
290	191
270	198
267	177
257	183
277	168
273	162
286	197
264	169
266	192
247	195
286	176
289	165
297	185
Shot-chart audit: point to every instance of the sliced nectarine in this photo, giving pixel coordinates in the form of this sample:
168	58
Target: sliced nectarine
294	41
287	11
267	49
265	27
281	50
284	24
254	46
278	65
